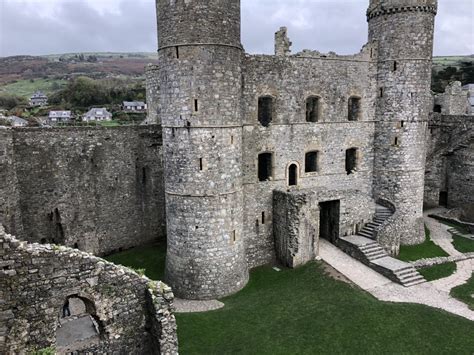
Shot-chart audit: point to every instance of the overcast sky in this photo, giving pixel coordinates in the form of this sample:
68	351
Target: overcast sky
63	26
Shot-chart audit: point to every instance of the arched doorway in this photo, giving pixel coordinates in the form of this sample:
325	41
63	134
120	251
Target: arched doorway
79	327
293	175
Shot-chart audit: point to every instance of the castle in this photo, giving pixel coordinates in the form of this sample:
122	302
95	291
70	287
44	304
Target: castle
242	133
251	158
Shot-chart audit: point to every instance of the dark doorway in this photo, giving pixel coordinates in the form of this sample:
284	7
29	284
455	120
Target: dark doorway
351	160
329	220
265	166
293	175
443	198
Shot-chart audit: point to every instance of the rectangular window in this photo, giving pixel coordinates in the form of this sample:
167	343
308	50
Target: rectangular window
351	160
311	162
265	166
354	109
265	110
263	217
196	105
200	164
312	109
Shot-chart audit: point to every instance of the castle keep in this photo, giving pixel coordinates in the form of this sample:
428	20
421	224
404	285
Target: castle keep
246	137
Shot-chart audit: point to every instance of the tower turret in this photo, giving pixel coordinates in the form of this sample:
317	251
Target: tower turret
403	30
200	57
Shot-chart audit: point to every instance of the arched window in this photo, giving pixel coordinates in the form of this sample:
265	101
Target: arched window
265	166
312	109
351	160
311	162
265	110
293	175
354	109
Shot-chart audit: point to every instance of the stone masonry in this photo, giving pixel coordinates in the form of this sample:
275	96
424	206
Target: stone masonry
133	314
238	127
96	189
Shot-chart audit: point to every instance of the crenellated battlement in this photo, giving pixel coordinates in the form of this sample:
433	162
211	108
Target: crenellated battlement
390	7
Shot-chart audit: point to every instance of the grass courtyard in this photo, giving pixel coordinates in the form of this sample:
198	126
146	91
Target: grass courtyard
426	250
306	311
465	293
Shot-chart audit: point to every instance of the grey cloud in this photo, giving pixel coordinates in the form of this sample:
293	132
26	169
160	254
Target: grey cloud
324	25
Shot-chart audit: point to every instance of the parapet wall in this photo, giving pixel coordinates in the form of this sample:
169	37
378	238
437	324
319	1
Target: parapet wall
133	313
97	189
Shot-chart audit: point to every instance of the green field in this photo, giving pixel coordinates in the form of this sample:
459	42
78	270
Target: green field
437	272
306	311
426	250
465	293
26	88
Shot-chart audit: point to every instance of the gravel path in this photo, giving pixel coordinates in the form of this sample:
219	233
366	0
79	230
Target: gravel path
187	306
386	290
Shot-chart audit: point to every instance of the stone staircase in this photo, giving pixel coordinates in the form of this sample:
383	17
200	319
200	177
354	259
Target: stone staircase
381	215
370	253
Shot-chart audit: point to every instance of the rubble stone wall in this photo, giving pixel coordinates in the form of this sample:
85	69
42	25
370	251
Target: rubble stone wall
134	314
96	189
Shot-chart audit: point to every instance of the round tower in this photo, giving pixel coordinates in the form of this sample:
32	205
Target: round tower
403	31
200	57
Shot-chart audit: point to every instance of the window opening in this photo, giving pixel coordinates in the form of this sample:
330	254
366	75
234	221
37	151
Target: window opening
293	175
354	109
265	110
312	109
265	166
351	160
311	162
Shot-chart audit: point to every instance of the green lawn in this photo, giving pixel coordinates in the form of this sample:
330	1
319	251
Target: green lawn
426	250
26	88
437	272
305	311
465	293
462	244
151	258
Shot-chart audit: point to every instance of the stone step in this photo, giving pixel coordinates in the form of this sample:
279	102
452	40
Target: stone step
378	254
417	282
366	234
405	272
370	247
373	224
410	277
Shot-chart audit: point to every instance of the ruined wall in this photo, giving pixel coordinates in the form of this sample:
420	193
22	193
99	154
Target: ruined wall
95	189
9	196
134	314
152	94
449	161
453	101
297	219
290	80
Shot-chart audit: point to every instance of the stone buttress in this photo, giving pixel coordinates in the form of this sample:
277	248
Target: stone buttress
200	56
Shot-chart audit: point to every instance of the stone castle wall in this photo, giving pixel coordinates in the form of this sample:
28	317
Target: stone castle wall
450	161
134	314
10	215
153	94
290	80
95	189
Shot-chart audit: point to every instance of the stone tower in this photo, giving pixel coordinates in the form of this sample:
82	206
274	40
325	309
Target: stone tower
403	31
200	75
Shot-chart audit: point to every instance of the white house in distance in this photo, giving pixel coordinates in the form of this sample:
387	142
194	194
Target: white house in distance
97	114
134	106
38	99
60	116
16	121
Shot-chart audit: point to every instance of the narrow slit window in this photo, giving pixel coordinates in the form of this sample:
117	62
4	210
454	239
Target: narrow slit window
293	175
351	160
395	142
196	105
354	108
265	110
231	140
234	236
144	177
381	92
265	162
311	162
402	124
177	52
395	65
200	164
263	217
312	109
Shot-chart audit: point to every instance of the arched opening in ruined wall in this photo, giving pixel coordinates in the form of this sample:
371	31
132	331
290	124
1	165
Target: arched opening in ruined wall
354	108
312	109
265	110
79	327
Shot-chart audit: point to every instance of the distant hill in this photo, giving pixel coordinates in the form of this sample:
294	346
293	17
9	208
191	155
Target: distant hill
22	75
